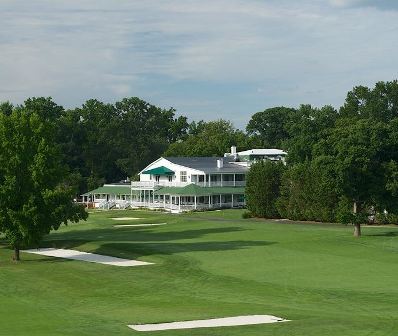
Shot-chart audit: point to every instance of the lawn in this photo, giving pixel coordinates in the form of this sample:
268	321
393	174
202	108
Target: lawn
207	265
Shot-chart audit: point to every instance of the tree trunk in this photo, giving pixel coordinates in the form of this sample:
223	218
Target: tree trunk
357	226
16	254
357	230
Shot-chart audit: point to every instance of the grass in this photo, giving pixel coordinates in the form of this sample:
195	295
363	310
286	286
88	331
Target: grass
207	265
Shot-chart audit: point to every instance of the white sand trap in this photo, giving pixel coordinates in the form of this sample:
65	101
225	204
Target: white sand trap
89	257
219	322
137	225
125	218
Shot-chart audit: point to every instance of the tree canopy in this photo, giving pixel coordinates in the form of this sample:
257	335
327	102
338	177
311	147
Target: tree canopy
212	138
35	196
342	164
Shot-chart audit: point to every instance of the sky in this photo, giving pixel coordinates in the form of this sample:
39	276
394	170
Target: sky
208	59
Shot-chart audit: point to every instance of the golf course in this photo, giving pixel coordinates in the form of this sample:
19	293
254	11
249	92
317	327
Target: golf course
204	265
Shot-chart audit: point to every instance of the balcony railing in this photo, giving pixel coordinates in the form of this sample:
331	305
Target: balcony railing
154	184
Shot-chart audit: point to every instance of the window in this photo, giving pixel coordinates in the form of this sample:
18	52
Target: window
183	176
170	178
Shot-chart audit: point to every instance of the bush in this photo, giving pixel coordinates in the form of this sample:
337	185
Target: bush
246	215
386	218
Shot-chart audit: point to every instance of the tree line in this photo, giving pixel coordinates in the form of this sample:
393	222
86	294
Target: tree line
342	164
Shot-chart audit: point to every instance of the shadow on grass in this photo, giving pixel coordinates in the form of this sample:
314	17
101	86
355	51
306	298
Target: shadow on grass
135	250
146	249
135	234
43	259
384	234
134	243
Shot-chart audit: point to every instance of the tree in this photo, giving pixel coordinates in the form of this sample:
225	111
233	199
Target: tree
269	126
109	142
212	138
360	156
307	128
379	103
309	191
34	195
6	108
263	188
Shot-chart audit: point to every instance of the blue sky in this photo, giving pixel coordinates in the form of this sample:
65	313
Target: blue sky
208	59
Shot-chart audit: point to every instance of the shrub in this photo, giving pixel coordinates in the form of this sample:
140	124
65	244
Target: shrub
246	215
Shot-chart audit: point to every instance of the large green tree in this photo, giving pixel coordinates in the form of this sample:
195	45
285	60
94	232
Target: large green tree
263	188
270	126
307	128
309	191
212	138
35	196
109	142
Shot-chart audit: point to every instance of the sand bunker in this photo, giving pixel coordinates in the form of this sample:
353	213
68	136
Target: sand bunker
219	322
137	225
89	257
125	218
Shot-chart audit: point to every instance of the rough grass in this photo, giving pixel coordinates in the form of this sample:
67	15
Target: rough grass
208	265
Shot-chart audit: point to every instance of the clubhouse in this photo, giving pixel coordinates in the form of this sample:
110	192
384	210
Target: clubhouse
178	184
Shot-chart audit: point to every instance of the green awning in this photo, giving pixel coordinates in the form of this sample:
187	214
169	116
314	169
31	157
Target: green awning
159	171
110	190
195	190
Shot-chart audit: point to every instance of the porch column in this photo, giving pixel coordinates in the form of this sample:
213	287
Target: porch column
234	182
220	201
232	204
221	178
179	203
195	202
164	201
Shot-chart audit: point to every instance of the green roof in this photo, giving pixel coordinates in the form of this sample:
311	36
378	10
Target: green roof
110	190
195	190
159	171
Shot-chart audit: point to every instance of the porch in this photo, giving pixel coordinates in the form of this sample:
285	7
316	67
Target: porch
194	197
207	180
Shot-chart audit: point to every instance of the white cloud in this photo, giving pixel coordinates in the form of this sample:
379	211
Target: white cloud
344	3
201	56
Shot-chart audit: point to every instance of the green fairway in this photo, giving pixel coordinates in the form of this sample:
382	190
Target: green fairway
206	265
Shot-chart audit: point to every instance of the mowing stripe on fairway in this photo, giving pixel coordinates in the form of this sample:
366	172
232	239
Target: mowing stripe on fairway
125	218
219	322
133	225
89	257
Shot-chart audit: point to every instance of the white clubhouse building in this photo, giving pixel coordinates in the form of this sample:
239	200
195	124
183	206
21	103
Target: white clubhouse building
179	184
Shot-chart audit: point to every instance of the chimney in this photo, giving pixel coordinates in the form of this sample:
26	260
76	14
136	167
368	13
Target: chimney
233	150
220	163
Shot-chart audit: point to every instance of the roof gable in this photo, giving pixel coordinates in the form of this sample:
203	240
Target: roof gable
208	164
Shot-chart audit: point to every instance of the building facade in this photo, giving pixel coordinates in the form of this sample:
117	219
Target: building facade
178	184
